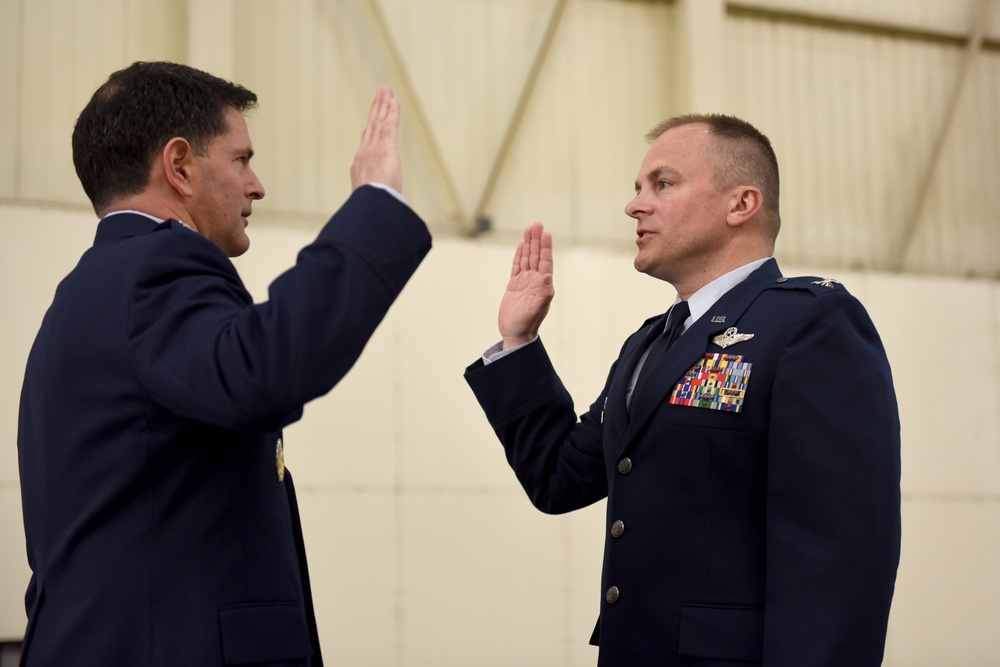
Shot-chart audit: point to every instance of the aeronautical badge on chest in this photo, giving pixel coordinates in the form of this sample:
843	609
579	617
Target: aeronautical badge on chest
717	382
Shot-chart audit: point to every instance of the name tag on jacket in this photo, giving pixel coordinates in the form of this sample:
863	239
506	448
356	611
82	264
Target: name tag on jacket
717	382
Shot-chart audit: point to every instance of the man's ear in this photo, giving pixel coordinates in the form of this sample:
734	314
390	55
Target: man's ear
177	159
745	202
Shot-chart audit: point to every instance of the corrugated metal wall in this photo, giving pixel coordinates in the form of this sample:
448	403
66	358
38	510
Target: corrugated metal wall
856	103
854	96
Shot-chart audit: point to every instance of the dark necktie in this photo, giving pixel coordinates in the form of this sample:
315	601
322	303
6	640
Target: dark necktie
679	312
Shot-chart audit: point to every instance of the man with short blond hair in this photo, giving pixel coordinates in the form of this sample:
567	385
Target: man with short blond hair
747	440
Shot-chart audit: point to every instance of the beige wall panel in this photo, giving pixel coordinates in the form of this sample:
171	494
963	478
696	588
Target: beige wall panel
602	300
947	15
307	104
947	605
584	561
479	570
353	543
315	67
623	78
607	82
13	564
37	248
10	82
951	428
468	61
852	118
68	50
958	227
447	318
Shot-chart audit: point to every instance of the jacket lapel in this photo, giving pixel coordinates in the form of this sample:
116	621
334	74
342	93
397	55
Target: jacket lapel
691	346
617	407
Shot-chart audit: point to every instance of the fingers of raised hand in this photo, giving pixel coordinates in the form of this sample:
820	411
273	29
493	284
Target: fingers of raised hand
383	117
519	253
377	158
545	253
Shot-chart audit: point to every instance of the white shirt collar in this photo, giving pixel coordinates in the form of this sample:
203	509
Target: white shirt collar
147	215
703	299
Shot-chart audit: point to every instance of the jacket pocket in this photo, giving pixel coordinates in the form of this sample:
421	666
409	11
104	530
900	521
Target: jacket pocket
722	632
262	632
705	418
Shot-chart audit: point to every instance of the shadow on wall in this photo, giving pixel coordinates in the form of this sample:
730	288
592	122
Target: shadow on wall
10	654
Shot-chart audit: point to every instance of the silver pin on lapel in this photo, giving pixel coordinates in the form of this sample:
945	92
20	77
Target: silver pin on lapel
731	337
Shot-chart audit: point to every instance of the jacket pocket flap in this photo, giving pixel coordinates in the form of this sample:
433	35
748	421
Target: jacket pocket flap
724	633
264	632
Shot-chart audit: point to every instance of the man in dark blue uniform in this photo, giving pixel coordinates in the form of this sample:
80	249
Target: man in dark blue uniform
161	524
747	440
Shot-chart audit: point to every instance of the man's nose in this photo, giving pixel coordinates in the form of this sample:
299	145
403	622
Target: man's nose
636	207
256	188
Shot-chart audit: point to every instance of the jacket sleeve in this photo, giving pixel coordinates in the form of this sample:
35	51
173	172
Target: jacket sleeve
833	504
203	351
558	460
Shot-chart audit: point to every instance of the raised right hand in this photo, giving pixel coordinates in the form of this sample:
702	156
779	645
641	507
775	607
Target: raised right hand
529	291
377	159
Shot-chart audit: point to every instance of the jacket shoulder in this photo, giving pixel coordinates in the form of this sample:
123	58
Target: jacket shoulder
816	285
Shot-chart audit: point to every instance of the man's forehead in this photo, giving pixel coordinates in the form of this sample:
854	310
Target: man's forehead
675	147
689	132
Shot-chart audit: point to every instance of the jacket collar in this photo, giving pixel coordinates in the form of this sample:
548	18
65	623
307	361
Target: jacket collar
123	225
690	347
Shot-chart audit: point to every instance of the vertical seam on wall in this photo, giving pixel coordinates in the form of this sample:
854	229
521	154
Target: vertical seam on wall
19	96
399	642
568	571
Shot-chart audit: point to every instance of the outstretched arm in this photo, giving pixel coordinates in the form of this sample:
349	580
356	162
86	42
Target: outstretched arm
377	159
529	291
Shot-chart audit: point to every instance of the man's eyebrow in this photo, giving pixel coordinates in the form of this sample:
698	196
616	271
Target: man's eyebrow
663	170
659	172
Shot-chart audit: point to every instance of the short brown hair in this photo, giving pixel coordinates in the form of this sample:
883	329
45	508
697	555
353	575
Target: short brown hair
136	112
745	158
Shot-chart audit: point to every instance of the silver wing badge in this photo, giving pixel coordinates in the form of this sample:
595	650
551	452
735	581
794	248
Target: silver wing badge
731	337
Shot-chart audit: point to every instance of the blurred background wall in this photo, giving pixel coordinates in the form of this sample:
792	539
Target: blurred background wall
423	549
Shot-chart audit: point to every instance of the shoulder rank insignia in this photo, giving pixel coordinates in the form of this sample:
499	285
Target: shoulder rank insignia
731	337
826	282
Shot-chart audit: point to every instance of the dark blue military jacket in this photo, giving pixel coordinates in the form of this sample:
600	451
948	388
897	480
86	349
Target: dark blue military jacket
753	484
159	530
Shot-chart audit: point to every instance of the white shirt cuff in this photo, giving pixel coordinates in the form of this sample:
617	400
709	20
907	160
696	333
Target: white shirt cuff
497	352
391	190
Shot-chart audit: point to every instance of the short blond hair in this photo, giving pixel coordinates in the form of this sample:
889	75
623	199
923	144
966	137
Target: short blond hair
745	158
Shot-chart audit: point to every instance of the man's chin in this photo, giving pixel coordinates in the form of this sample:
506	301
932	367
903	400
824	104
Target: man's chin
237	247
651	269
